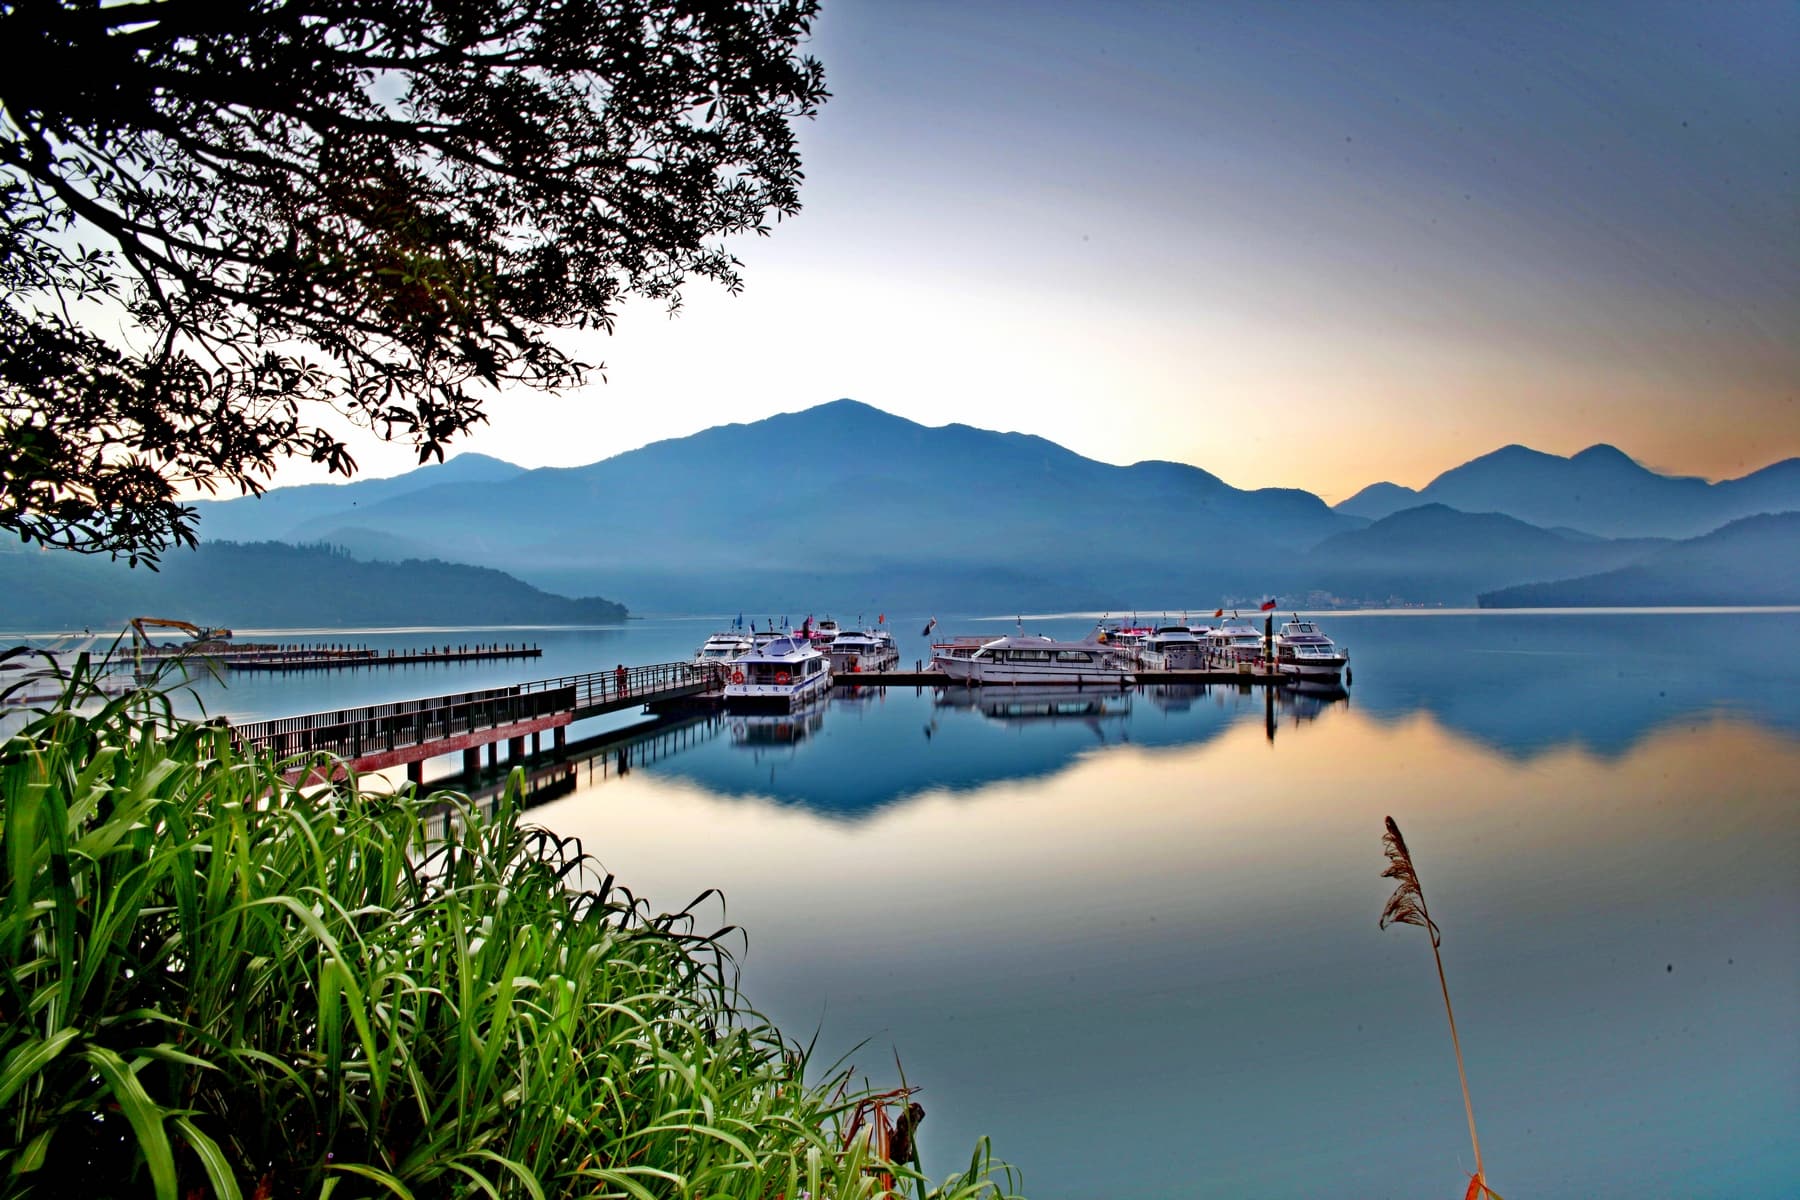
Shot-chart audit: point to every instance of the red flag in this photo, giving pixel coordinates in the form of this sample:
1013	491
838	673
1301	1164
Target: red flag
1268	604
882	619
1217	613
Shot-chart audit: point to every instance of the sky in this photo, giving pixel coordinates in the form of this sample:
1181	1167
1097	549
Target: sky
1304	245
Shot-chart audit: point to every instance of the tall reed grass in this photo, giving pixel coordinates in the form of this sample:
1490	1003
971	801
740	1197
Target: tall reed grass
216	983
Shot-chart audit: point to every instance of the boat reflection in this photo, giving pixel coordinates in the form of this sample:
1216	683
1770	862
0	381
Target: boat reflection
1011	704
759	731
1300	701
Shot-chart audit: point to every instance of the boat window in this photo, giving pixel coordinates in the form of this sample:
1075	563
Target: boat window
1031	656
1074	656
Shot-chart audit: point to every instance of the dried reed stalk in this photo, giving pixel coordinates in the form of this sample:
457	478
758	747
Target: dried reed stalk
1407	907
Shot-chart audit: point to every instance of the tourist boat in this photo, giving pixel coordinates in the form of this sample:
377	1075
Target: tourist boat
724	648
1126	642
1172	648
1025	658
862	650
779	675
1302	651
1233	643
961	646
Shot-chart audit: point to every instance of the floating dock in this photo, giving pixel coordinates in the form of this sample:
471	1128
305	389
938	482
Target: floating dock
332	658
939	679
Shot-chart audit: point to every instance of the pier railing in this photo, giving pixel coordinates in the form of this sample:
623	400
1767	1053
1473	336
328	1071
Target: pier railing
376	728
597	688
381	729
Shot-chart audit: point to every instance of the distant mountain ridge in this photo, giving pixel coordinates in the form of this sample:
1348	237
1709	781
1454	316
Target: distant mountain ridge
1437	554
248	518
1600	491
1752	561
277	585
849	506
846	504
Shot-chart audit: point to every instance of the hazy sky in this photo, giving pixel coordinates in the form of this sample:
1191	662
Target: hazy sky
1300	244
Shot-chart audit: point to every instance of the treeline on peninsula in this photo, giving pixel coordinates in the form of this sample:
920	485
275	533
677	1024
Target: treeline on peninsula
278	585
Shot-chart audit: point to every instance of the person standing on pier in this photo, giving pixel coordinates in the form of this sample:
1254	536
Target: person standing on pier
620	676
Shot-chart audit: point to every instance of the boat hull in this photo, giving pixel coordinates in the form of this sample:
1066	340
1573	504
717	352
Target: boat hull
979	673
776	697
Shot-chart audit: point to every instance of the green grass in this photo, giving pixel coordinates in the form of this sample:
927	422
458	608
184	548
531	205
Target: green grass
216	984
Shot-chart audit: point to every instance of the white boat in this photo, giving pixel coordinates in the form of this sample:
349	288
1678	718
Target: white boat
1302	651
779	675
1233	642
961	646
1028	659
1127	642
1173	648
723	648
862	650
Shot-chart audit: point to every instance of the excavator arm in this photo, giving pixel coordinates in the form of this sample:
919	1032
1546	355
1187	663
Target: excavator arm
192	630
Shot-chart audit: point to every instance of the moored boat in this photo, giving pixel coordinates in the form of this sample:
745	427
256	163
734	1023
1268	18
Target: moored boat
862	650
1173	648
723	648
1029	659
778	675
1302	651
1232	643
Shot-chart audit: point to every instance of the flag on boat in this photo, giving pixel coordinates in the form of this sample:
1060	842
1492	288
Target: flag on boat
739	623
1217	613
1268	604
929	626
882	619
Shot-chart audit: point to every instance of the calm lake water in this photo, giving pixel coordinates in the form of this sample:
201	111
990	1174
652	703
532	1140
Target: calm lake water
1133	937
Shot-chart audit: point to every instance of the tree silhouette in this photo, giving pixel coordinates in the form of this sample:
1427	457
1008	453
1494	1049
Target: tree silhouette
221	218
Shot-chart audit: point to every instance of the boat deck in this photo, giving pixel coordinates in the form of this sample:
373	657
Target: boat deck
939	679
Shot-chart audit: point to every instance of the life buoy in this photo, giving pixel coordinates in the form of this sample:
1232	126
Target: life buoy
781	677
737	677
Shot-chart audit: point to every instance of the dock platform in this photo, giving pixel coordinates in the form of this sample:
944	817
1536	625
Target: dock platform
939	679
322	659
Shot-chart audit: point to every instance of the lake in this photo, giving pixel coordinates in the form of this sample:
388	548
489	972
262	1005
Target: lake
1133	936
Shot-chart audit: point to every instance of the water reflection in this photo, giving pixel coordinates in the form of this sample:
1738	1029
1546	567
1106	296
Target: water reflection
858	754
1151	967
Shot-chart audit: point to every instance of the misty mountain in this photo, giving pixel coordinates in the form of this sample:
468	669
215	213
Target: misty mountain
1436	554
271	584
1379	500
271	516
1752	561
844	504
1599	491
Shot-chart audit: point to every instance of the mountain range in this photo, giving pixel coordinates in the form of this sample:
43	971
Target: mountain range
844	504
1600	491
846	507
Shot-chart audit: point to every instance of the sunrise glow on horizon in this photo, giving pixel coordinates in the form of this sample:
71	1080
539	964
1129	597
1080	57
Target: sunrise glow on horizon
1309	246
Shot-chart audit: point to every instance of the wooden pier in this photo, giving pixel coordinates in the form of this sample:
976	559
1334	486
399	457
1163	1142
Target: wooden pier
308	658
408	732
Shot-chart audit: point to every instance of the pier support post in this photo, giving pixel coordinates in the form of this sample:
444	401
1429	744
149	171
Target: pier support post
515	750
472	761
560	738
493	755
415	772
537	743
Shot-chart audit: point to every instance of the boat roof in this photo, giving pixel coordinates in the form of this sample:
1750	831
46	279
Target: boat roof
1030	641
782	649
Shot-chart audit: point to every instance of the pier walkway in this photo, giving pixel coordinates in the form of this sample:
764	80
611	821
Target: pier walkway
371	737
316	658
